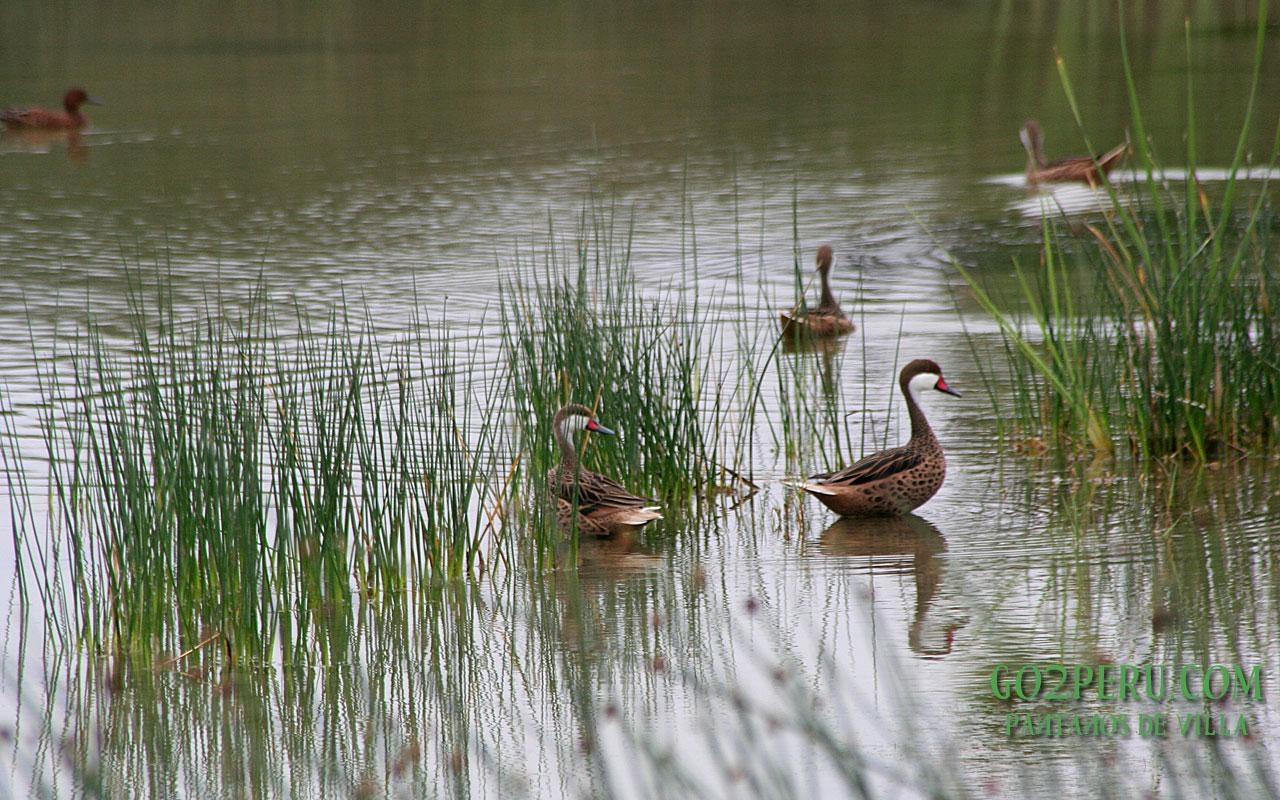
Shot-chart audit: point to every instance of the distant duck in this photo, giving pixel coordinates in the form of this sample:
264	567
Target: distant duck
1073	168
898	480
604	507
825	321
49	119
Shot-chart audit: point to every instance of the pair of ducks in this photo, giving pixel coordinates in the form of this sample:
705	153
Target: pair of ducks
1075	168
70	119
889	483
828	320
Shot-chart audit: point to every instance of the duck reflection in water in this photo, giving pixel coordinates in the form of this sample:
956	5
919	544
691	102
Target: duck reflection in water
608	560
897	546
591	601
45	140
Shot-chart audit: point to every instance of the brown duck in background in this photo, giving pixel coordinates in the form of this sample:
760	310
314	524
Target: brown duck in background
604	507
898	480
1073	168
50	119
825	321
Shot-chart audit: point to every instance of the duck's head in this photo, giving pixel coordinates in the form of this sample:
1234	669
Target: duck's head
77	97
576	417
923	374
824	259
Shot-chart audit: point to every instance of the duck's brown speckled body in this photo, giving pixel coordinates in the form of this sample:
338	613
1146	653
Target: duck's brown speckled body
898	480
597	505
1073	168
825	321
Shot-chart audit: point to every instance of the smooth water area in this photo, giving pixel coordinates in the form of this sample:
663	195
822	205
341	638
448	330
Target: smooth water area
408	157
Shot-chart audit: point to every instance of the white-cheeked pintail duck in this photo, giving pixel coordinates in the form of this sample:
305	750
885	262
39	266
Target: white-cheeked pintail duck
50	119
825	321
1074	168
603	507
898	480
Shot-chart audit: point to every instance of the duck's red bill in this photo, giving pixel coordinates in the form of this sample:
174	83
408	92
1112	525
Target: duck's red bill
942	386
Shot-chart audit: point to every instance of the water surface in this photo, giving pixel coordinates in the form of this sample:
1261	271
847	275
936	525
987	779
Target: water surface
408	157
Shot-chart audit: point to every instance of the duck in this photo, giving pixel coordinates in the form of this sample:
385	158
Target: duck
827	320
899	480
49	119
595	504
1073	168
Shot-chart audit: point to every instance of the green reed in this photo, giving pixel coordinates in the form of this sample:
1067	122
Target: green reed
812	428
1175	354
227	474
231	475
580	328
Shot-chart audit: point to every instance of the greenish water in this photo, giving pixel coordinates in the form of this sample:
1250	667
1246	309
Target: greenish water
407	157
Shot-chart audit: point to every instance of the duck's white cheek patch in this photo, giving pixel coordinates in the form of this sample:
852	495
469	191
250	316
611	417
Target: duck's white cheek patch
922	382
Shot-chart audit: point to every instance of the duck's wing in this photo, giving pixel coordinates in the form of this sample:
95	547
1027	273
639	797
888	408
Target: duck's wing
597	491
1068	163
33	118
1109	159
1079	166
872	468
14	116
594	491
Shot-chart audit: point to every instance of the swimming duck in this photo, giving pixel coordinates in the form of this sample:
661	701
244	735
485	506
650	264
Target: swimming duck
827	320
604	507
1073	168
898	480
49	119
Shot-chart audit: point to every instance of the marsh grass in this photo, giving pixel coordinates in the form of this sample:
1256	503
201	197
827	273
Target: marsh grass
235	473
240	471
578	327
815	418
1175	355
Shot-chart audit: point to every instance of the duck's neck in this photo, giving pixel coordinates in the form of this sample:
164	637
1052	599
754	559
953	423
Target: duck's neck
568	453
1034	164
1035	153
828	303
1035	156
920	430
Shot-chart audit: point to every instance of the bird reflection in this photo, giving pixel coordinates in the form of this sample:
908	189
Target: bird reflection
610	560
591	579
825	353
896	545
801	343
39	140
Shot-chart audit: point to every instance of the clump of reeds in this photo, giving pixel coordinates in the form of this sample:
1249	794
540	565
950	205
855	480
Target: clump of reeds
225	471
578	328
1174	354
